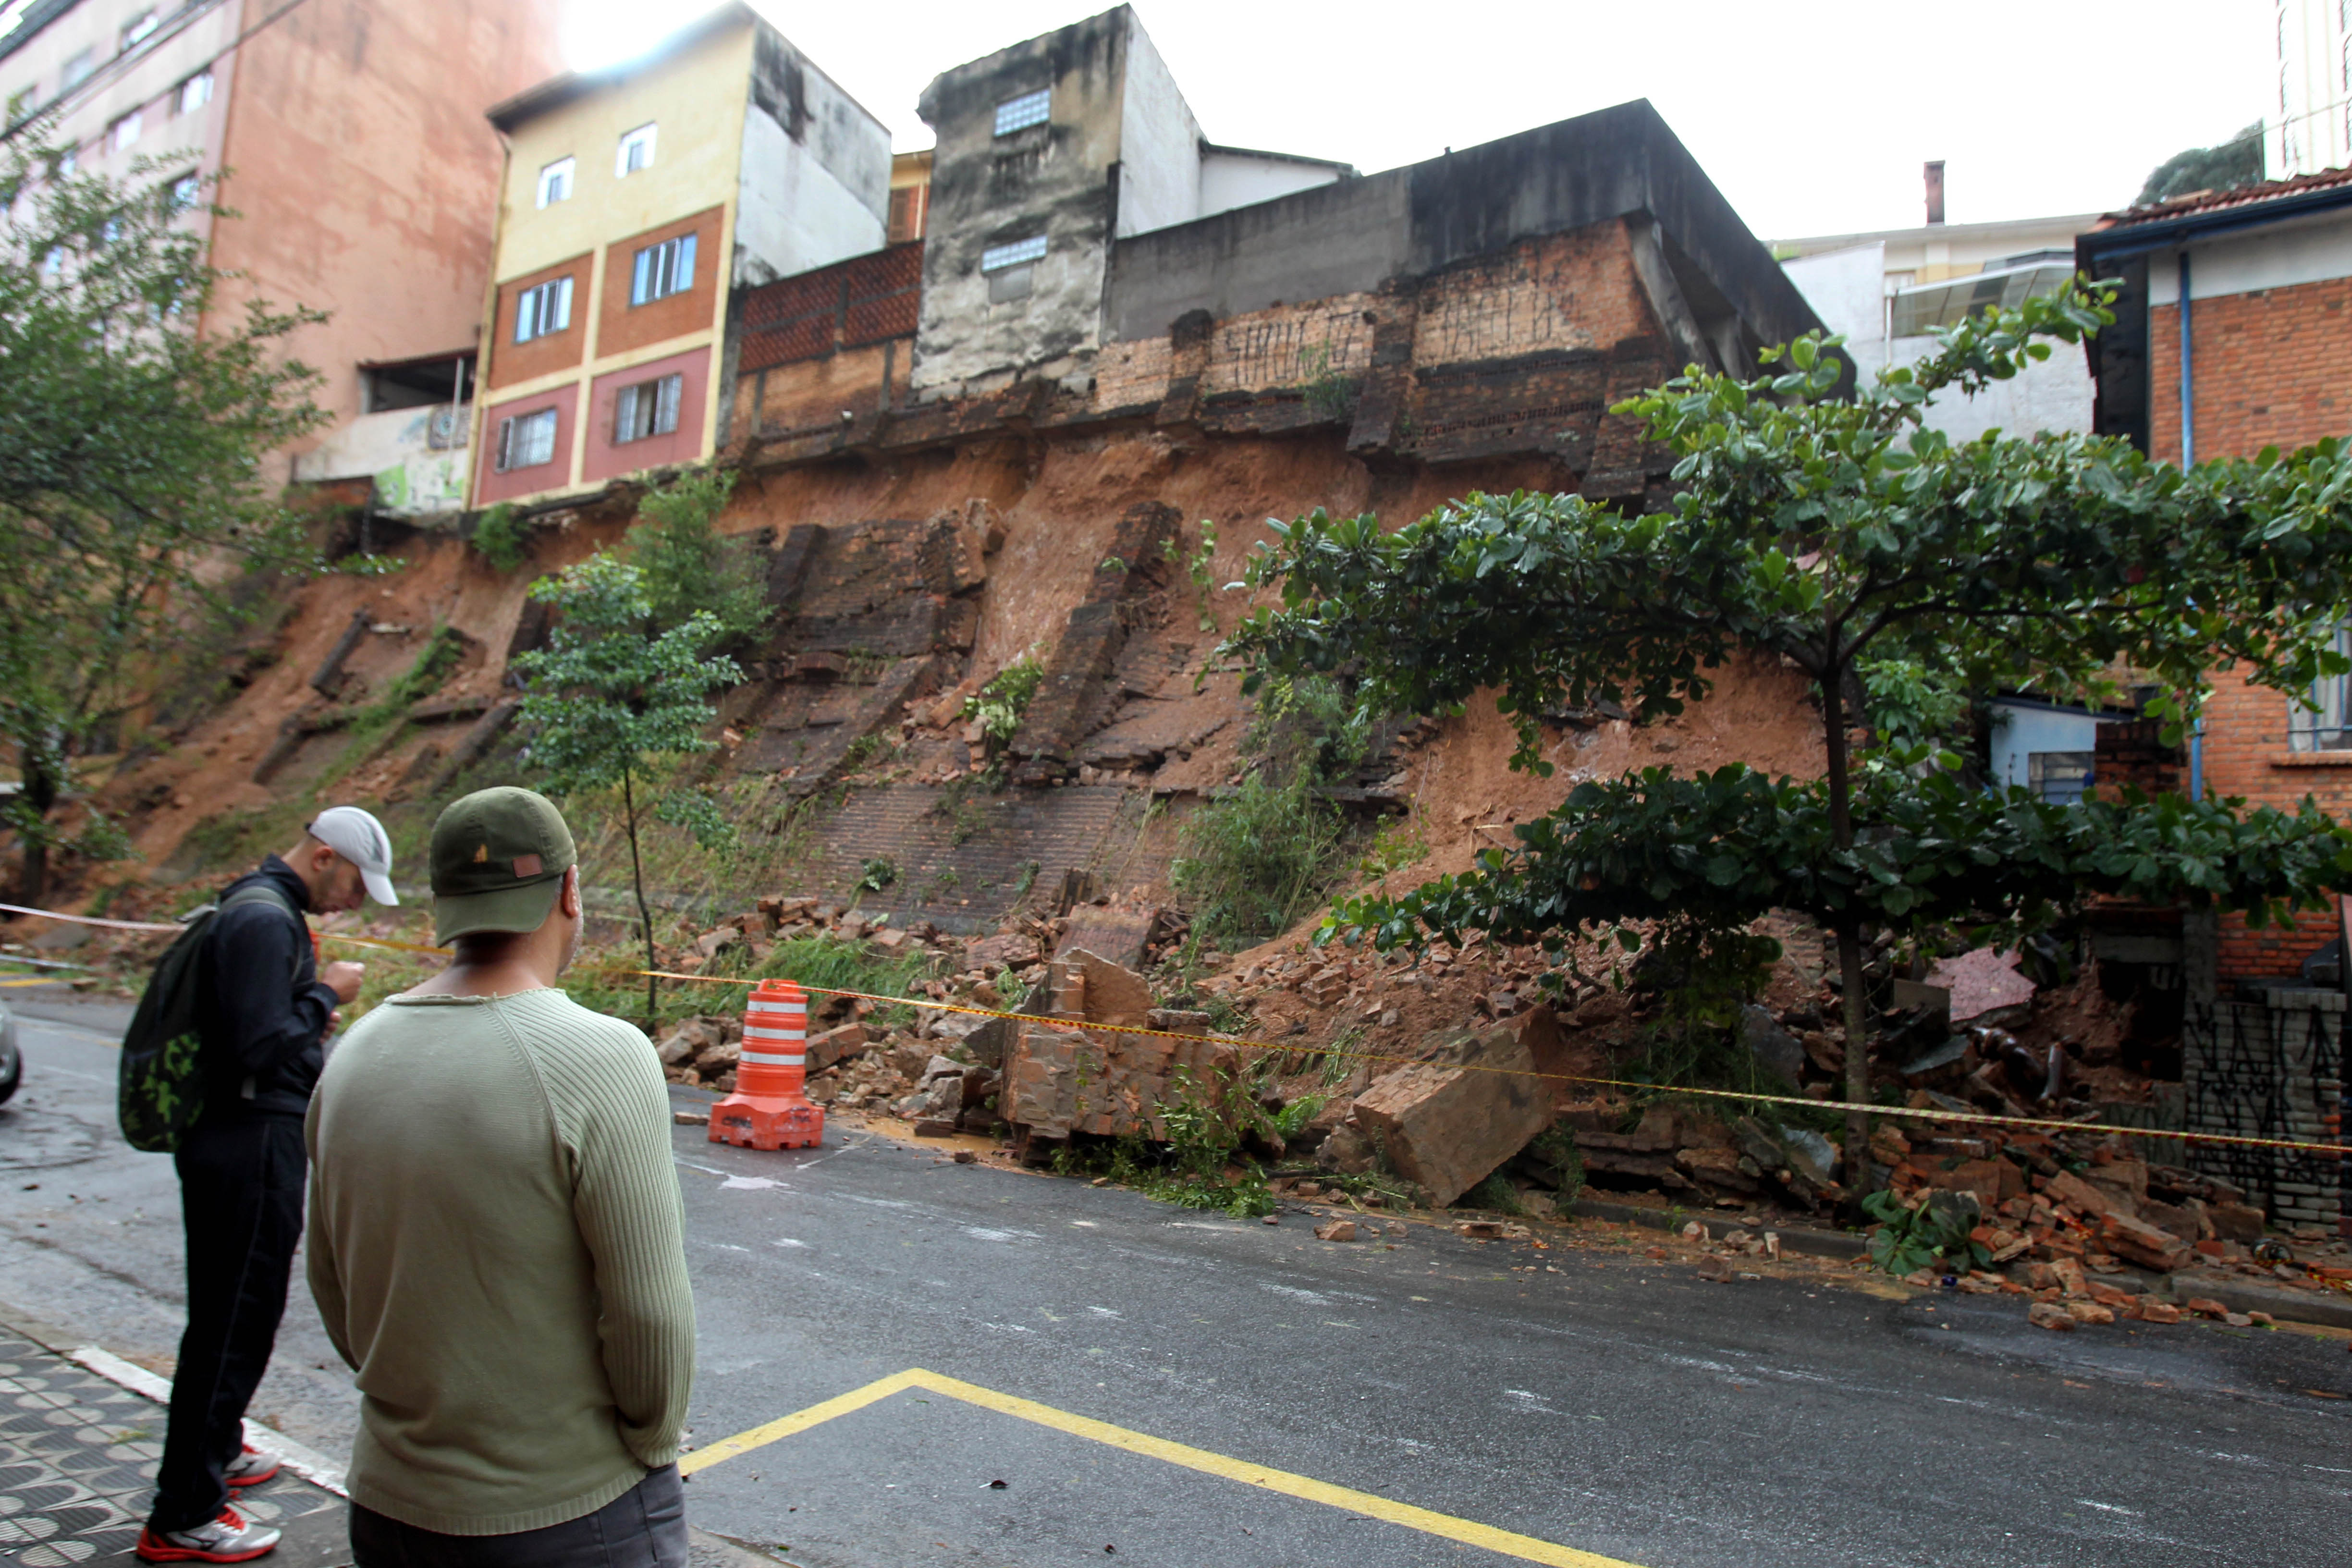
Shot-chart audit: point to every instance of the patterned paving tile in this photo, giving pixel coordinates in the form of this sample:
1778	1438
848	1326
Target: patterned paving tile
77	1459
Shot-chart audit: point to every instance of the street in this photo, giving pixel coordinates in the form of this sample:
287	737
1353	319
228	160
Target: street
1128	1372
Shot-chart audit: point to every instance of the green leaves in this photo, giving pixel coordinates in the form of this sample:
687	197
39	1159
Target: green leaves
609	693
130	454
1723	849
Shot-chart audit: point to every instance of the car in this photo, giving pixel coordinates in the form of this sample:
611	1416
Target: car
12	1060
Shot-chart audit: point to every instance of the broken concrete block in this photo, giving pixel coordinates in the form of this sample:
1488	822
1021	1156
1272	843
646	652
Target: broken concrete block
2139	1242
1060	1079
2235	1222
1770	1043
831	1046
2152	1310
1448	1128
1337	1230
1984	983
690	1039
2085	1199
2050	1315
1344	1150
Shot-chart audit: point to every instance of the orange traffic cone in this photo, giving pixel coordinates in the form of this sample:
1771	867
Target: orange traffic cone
768	1110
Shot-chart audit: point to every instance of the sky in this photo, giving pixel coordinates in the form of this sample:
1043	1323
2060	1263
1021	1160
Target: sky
1812	116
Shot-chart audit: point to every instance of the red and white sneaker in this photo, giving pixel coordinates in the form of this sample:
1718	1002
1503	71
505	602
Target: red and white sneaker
250	1467
228	1539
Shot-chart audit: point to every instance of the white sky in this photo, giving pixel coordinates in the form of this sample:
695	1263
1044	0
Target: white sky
1812	116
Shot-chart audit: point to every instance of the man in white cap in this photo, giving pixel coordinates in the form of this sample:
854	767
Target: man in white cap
263	1007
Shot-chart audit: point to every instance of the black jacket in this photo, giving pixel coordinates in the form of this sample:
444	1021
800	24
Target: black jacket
261	1013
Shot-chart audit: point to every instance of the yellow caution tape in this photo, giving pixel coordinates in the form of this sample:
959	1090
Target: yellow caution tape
2007	1123
2227	1140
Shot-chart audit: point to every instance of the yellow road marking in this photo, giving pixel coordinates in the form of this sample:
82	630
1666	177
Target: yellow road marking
799	1421
37	980
1527	1547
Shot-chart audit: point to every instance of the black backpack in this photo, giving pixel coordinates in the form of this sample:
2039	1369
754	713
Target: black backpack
161	1089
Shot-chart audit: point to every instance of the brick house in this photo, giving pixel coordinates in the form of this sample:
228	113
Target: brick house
2232	334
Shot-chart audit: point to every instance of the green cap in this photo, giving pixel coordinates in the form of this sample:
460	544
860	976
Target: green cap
498	861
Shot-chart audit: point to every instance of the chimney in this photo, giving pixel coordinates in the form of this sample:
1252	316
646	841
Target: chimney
1933	171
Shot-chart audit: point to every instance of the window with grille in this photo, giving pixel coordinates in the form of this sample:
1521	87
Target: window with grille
2061	778
527	440
648	408
555	183
1019	253
543	310
194	93
2321	721
662	270
1020	113
637	152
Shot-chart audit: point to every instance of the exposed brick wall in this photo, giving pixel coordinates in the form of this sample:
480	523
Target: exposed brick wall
850	304
2246	755
2135	755
2273	368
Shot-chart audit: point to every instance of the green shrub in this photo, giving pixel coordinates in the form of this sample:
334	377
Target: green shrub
689	567
1930	1233
501	538
999	705
1256	860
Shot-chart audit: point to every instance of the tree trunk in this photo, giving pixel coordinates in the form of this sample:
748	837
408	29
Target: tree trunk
645	915
40	795
1849	936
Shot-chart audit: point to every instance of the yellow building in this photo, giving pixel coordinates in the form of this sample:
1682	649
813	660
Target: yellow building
636	201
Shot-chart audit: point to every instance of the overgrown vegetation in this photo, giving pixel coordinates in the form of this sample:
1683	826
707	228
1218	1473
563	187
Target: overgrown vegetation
130	449
998	706
689	569
501	538
617	700
375	727
1208	1160
1255	861
1930	1233
1196	565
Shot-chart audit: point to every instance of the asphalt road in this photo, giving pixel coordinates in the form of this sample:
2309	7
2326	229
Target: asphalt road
1618	1407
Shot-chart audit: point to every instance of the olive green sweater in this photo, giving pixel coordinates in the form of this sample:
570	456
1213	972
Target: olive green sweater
497	1248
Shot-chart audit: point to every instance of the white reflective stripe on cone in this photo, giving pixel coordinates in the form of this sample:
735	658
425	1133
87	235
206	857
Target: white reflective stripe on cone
753	1032
763	1059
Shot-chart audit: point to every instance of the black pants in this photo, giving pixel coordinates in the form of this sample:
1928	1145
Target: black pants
644	1527
241	1203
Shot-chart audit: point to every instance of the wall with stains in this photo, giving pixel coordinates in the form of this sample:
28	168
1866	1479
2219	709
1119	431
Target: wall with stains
365	175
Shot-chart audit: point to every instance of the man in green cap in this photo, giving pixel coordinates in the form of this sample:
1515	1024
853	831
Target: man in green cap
495	1241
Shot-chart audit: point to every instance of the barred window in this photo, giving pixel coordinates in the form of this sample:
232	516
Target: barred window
2321	721
648	408
527	440
1020	252
1020	113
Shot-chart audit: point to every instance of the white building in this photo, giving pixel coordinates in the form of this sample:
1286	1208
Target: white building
1887	292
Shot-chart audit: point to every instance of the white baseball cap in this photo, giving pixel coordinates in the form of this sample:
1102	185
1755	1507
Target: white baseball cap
360	838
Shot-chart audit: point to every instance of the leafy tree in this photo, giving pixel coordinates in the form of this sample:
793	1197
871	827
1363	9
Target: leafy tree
130	449
2237	162
613	694
1832	532
689	569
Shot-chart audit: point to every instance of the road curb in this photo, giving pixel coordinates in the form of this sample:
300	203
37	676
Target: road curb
2328	1312
1813	1243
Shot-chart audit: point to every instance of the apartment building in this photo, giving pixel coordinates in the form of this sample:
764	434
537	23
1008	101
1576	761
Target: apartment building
636	201
363	179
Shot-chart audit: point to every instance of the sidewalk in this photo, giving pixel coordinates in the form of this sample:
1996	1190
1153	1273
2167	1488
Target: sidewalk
78	1464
